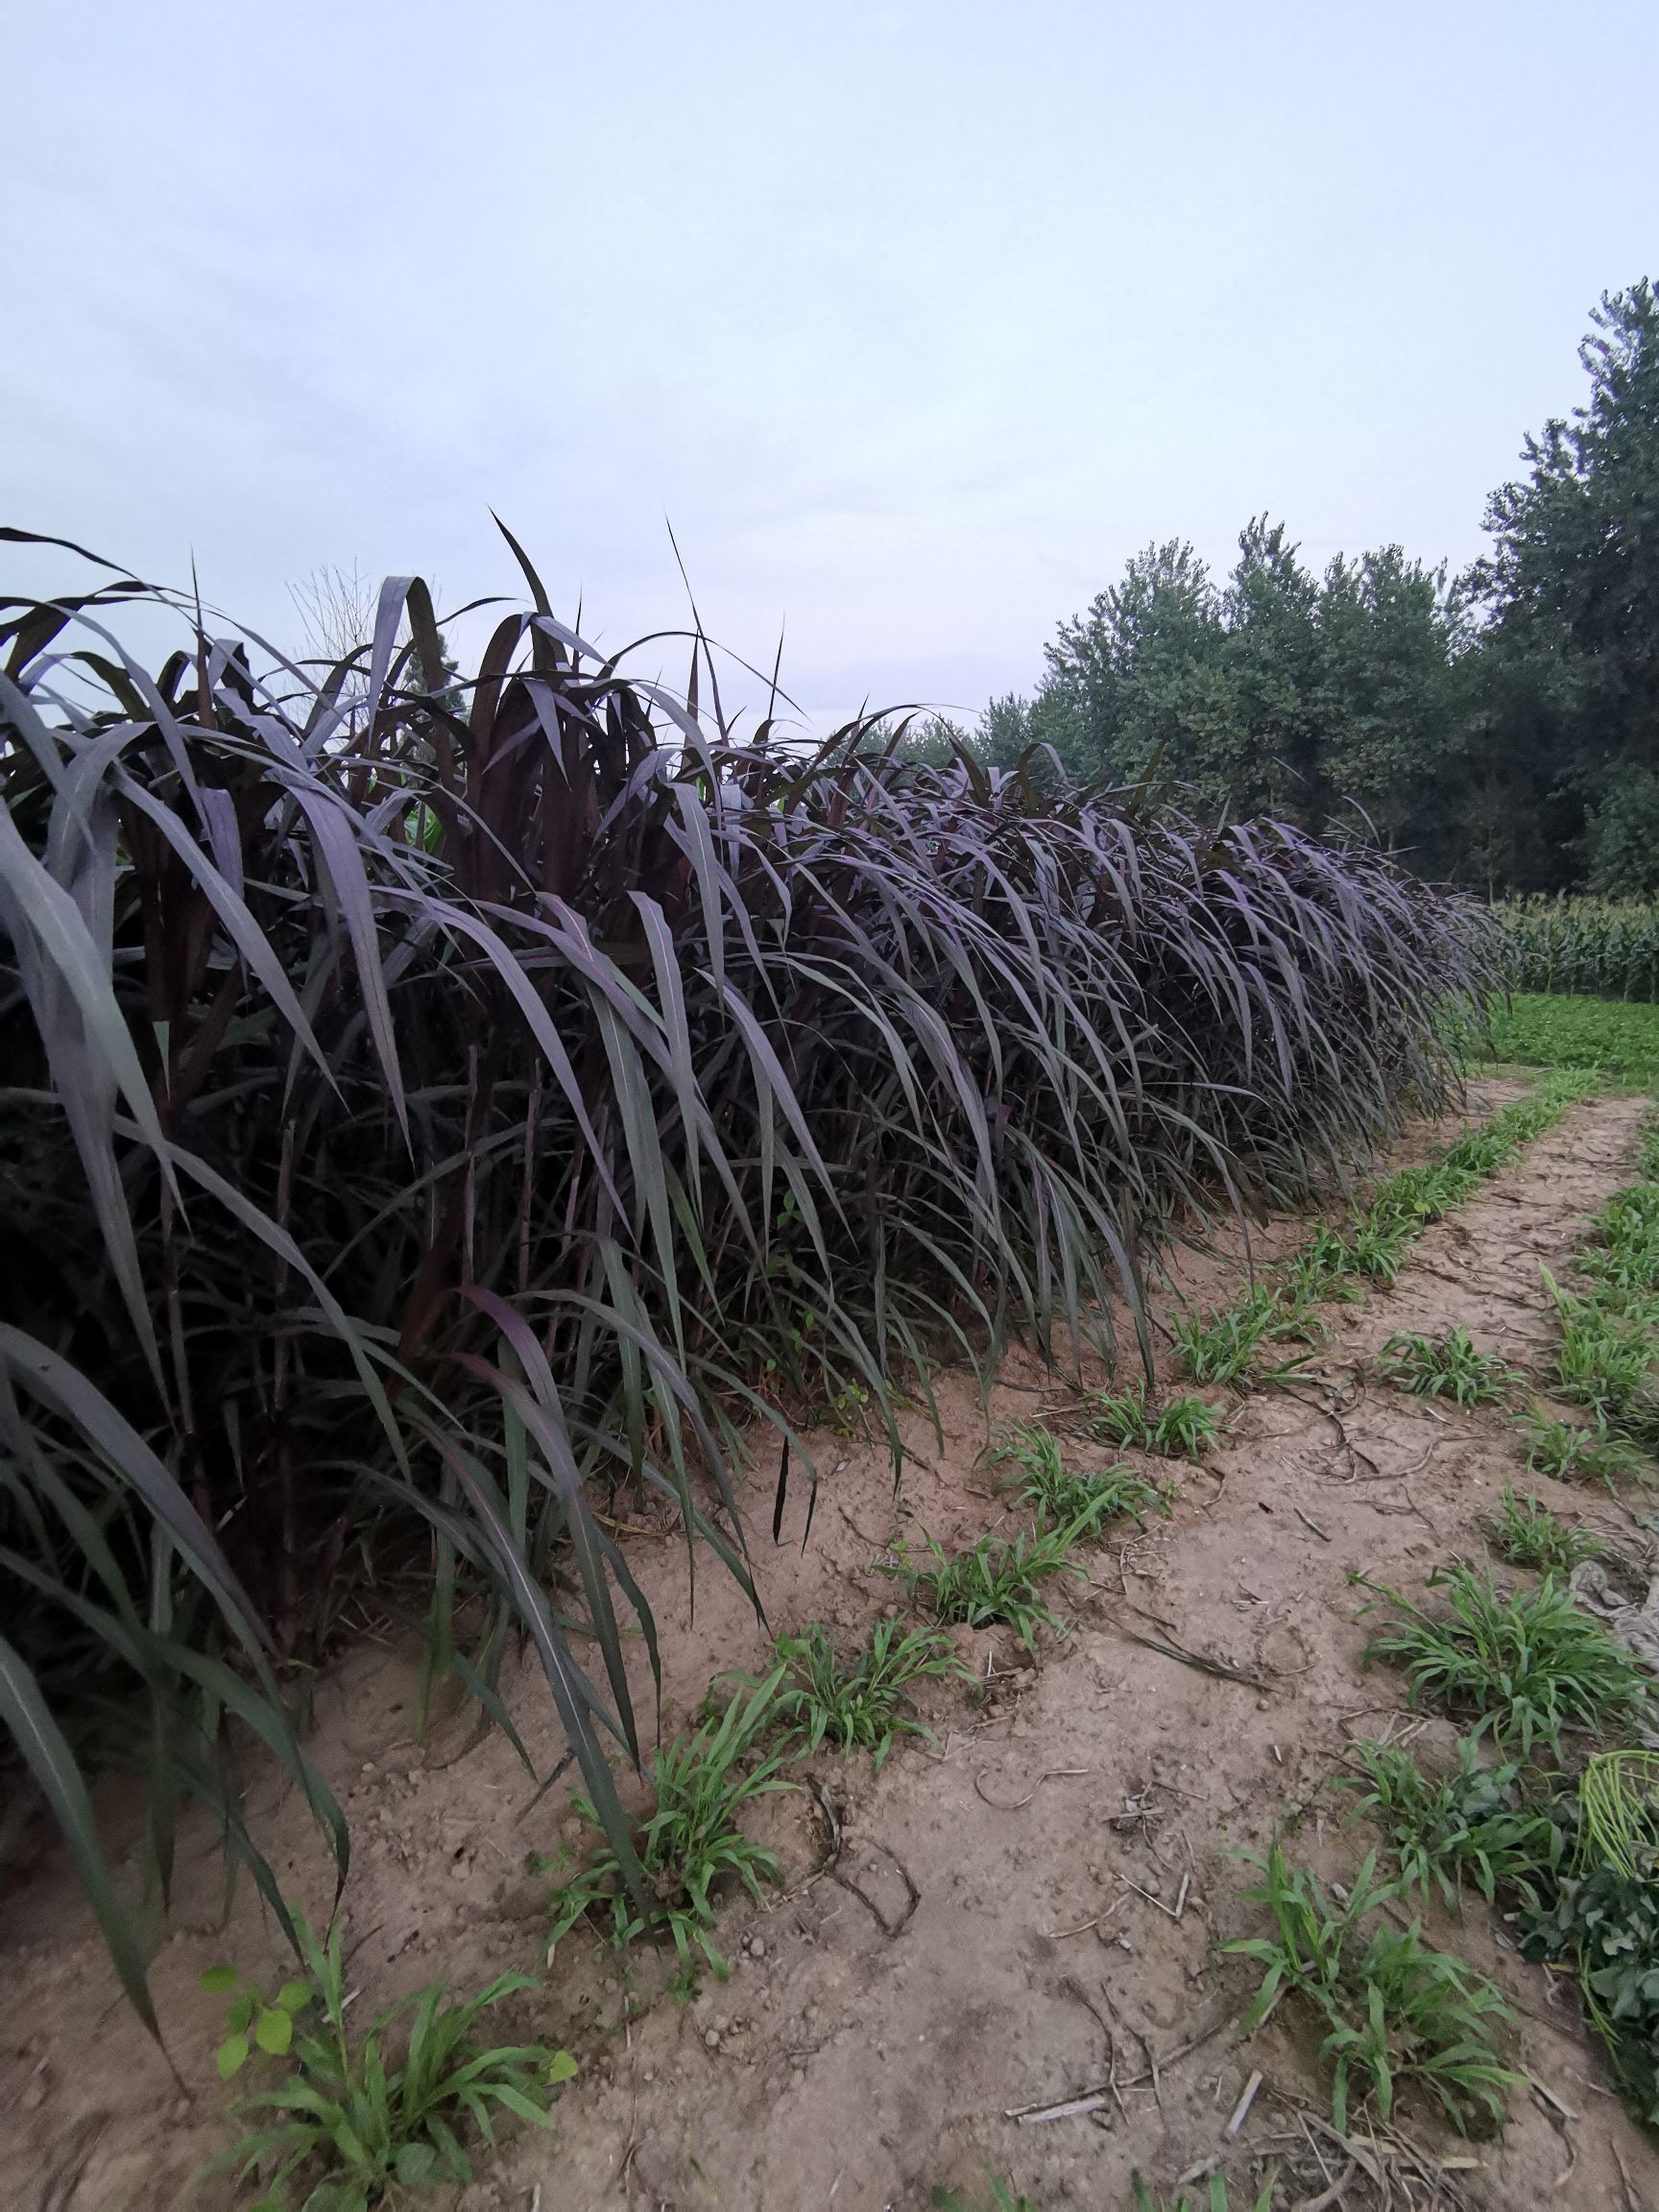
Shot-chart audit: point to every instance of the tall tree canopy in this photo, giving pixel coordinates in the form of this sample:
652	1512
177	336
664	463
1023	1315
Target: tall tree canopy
1502	729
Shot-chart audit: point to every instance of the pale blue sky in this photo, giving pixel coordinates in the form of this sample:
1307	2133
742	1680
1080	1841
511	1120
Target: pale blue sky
916	318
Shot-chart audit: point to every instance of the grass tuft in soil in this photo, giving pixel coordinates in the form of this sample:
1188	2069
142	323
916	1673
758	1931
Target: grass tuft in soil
1524	1667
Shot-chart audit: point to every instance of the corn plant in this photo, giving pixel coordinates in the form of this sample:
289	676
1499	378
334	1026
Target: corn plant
438	1096
348	2119
1216	2198
1596	948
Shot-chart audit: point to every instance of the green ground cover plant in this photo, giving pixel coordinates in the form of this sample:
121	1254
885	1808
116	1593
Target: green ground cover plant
998	1581
690	1842
1393	2009
859	1705
1524	1667
1600	1915
1450	1367
1622	1043
351	2120
1086	1498
1528	1534
1001	2199
1227	1345
1575	1452
1472	1826
1214	2196
1181	1425
438	1096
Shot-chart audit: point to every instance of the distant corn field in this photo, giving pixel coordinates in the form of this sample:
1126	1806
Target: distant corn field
1590	948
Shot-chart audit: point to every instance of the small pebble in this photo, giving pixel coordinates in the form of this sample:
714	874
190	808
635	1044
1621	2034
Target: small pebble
757	1949
712	2037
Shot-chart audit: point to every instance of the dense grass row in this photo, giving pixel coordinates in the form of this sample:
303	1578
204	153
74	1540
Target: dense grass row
1588	948
434	1098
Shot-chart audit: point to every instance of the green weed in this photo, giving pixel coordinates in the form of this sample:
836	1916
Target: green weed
1619	1042
1447	1366
1528	1534
1225	1346
1472	1826
1183	1425
1002	2199
366	2124
1524	1667
1393	2009
997	1582
1063	1495
692	1841
1216	2196
1573	1453
860	1707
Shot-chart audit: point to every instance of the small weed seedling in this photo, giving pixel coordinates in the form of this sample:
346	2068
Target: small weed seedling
1447	1367
1526	1667
1086	1501
1002	2199
1224	1347
1393	2009
692	1838
360	2121
1573	1453
1214	2196
1528	1534
1183	1425
998	1582
860	1707
1473	1826
1376	1252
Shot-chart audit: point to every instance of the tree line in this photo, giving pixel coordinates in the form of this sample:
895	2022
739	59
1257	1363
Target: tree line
1498	727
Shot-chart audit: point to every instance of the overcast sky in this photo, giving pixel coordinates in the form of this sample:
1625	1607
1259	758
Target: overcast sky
914	319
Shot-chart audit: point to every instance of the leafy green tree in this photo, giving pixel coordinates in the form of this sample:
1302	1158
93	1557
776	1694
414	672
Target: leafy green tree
1571	586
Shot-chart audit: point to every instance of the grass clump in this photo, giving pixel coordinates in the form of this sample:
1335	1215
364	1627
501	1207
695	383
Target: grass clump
355	2122
1575	1453
1472	1825
1214	2196
1002	2199
1449	1366
1524	1667
1182	1427
1394	2010
1528	1534
1061	1495
1226	1346
692	1841
861	1706
998	1582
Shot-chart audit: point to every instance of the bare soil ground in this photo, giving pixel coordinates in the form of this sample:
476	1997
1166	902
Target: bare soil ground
1028	1913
